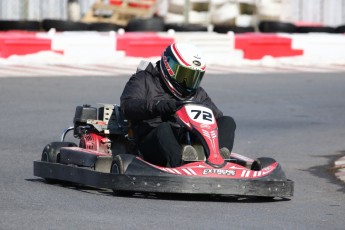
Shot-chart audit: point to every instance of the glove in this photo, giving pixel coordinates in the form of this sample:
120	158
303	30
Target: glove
165	107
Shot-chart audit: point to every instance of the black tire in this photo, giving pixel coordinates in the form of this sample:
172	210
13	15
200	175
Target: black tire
20	25
340	29
315	29
150	24
276	27
103	27
258	164
51	154
119	166
51	151
262	162
61	25
223	29
185	27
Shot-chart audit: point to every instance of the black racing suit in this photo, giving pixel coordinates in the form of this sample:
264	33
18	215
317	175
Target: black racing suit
158	139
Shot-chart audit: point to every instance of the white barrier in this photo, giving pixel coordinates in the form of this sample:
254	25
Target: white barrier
97	47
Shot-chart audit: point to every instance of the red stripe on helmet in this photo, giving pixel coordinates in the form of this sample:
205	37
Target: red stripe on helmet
170	86
179	55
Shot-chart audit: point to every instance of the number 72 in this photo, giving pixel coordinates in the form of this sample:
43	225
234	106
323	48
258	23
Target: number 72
205	115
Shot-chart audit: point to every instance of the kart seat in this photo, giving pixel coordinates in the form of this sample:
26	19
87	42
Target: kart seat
112	115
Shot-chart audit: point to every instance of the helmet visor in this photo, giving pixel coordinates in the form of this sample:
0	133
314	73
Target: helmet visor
186	77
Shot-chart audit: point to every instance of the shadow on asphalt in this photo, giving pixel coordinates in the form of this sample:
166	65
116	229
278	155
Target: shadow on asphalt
327	171
160	196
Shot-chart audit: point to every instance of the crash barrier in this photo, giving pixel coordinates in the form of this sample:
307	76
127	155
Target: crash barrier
107	46
21	43
256	46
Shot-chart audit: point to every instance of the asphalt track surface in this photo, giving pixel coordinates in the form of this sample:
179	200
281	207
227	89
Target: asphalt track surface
298	119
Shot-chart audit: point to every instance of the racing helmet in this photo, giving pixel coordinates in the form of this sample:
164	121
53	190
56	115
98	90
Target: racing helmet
182	67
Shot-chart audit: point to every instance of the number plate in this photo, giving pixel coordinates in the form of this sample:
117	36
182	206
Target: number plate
200	114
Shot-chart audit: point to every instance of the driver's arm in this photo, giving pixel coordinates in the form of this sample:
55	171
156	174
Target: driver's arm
134	104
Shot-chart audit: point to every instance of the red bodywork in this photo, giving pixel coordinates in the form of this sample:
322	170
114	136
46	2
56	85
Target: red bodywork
197	119
229	170
201	119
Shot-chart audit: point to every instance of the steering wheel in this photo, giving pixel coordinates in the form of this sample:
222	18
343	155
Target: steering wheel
186	102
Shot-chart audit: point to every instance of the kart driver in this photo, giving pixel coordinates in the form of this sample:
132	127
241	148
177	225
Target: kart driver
153	94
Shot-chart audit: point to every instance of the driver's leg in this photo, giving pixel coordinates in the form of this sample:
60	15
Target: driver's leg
226	132
161	147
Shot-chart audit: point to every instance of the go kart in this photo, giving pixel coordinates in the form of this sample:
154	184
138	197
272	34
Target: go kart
107	157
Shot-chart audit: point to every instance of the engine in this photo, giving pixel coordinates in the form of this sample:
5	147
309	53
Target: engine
99	129
93	141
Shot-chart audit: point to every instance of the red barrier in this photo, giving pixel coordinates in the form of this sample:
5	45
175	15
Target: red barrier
135	5
148	48
123	40
142	44
115	2
14	34
256	46
22	46
21	42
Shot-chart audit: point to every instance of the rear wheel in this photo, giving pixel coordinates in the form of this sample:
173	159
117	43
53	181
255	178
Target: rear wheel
51	153
52	150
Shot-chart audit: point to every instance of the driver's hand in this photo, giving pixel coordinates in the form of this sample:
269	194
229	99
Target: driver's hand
166	107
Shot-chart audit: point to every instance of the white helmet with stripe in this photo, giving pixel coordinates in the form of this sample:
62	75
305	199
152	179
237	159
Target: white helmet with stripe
182	67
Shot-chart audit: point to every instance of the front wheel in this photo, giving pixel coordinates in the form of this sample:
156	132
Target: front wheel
258	164
262	162
119	166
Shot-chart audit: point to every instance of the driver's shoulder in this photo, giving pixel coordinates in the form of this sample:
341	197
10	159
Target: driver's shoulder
147	67
146	70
